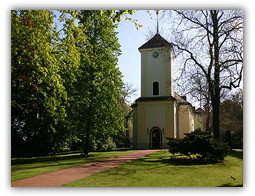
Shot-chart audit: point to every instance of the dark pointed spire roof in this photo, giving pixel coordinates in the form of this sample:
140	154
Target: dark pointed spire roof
155	42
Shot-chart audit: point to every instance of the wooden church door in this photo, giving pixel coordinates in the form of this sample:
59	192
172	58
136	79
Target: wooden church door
156	138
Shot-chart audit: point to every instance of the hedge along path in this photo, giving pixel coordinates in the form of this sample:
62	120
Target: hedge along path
58	178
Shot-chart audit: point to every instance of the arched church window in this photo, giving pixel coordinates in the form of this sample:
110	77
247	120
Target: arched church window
155	88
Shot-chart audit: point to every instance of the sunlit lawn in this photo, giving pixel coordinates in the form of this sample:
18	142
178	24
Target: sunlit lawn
28	167
157	170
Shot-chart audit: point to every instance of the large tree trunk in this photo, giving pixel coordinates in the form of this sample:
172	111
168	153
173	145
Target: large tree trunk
88	128
216	36
216	98
216	118
207	118
86	149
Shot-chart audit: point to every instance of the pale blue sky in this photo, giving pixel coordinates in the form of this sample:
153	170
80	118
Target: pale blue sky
131	39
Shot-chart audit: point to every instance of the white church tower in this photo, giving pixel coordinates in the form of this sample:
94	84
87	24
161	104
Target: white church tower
159	113
157	68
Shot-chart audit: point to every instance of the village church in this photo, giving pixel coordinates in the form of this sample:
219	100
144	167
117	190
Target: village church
160	112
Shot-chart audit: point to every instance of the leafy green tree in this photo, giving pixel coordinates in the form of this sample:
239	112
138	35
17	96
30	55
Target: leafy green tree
100	85
66	88
38	95
69	36
93	83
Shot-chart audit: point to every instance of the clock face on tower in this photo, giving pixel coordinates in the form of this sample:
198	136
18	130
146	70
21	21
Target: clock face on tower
155	54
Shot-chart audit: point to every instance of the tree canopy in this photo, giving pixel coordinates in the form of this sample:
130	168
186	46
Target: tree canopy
231	113
65	85
38	95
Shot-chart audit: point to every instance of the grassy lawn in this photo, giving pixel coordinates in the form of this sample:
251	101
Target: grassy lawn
28	167
157	170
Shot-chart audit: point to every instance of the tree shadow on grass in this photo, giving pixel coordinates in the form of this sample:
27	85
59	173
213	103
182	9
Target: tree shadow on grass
185	161
231	185
44	159
41	166
75	156
166	161
237	154
179	160
72	159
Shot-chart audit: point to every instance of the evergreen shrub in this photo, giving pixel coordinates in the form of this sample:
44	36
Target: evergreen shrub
237	140
199	145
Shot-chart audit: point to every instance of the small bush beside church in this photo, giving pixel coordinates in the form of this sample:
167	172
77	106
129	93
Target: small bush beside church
199	145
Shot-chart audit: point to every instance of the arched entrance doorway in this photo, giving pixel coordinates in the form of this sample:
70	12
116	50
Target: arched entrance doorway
155	138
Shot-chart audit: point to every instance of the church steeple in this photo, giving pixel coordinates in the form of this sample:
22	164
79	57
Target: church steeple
157	67
157	11
155	42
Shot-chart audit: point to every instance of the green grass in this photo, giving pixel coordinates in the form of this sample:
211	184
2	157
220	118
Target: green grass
157	170
27	167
